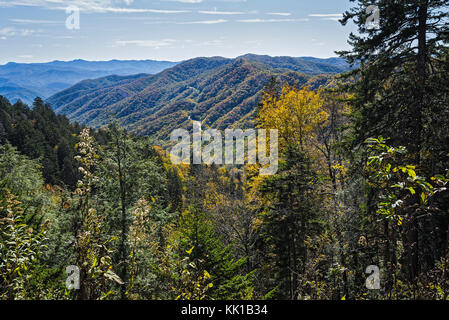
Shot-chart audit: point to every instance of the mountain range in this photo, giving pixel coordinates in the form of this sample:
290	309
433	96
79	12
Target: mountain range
25	81
220	92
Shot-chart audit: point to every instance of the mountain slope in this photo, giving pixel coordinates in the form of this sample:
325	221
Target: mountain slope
308	65
26	81
218	91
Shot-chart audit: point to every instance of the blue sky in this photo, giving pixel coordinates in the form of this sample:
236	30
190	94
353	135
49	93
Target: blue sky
35	30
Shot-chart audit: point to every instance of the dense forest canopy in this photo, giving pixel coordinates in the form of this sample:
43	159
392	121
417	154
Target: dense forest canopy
218	91
360	191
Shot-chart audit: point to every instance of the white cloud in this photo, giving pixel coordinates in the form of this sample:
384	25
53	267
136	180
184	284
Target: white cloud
98	6
214	42
8	31
327	15
11	31
146	43
285	14
222	12
18	3
129	10
205	22
30	21
271	20
332	19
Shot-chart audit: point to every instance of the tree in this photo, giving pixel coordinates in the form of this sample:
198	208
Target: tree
128	172
197	231
198	228
396	60
394	96
395	182
23	226
295	113
42	135
91	244
290	219
20	247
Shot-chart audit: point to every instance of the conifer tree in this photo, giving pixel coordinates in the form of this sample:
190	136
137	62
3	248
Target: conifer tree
395	89
395	62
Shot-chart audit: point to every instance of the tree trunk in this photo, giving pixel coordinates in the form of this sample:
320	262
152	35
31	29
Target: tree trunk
416	132
123	257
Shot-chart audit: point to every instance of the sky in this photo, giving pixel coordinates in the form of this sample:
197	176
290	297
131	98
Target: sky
173	30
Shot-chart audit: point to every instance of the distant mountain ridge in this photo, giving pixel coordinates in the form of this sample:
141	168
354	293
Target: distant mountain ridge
218	91
25	81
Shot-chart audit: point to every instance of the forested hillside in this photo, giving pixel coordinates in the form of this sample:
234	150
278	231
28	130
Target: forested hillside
41	134
220	92
26	81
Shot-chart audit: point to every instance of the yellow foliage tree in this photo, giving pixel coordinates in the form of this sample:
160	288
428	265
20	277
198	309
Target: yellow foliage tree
296	113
